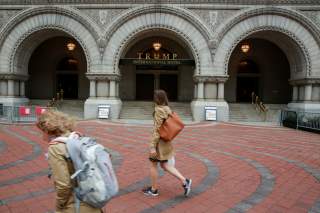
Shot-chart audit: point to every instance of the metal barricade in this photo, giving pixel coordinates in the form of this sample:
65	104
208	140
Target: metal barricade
300	119
21	114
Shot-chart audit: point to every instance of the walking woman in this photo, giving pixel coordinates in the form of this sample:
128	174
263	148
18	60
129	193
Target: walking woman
54	124
160	151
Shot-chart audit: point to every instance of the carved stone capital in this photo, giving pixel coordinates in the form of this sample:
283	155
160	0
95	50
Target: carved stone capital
210	79
103	77
16	77
299	82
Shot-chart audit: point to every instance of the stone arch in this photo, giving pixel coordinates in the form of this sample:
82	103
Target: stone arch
193	33
300	38
17	36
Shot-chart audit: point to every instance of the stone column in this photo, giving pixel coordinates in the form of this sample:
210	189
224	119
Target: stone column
117	89
295	93
3	87
195	92
316	93
221	90
112	88
103	91
93	92
22	89
308	92
301	93
10	87
200	94
210	90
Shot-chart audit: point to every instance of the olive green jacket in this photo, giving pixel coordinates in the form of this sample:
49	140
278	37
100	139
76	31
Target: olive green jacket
164	149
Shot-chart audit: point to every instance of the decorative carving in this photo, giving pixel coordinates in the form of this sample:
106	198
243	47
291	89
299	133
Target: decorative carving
268	28
313	15
247	2
182	13
10	76
5	15
298	82
150	27
273	11
23	37
176	11
103	77
214	18
69	12
103	17
210	79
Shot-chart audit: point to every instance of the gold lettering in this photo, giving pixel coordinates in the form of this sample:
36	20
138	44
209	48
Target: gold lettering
156	56
147	55
140	55
166	56
174	56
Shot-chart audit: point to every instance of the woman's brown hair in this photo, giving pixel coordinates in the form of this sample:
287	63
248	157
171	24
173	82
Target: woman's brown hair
160	97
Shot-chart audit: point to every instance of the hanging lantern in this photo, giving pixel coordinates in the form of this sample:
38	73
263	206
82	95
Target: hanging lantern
156	45
71	46
245	47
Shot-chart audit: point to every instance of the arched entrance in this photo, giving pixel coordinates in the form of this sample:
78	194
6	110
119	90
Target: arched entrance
262	69
60	63
157	62
248	78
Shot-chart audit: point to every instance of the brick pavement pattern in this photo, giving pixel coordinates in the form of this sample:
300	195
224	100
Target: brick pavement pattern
235	168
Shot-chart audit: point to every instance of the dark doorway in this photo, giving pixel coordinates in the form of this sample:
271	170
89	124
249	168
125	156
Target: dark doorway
245	87
69	84
169	83
144	86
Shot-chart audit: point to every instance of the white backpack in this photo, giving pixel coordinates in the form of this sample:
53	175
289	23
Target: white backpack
97	182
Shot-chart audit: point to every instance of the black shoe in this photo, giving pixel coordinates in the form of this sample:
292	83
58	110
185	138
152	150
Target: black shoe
149	191
187	187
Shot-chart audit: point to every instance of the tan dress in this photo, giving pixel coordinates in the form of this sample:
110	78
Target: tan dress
61	170
164	149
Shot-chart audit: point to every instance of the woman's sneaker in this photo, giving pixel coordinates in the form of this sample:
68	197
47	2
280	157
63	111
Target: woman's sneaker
149	191
187	187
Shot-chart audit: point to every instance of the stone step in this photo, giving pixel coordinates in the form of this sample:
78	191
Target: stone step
144	110
247	112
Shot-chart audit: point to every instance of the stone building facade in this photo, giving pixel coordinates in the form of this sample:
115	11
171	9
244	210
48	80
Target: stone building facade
282	66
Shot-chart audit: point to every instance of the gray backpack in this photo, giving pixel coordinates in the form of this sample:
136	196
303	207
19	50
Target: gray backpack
97	182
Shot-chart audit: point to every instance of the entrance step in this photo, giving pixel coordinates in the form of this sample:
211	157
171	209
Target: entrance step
245	112
143	110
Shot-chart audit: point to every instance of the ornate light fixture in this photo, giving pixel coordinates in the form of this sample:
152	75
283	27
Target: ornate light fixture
245	47
71	46
156	45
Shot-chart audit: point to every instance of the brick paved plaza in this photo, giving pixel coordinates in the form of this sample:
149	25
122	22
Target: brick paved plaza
234	168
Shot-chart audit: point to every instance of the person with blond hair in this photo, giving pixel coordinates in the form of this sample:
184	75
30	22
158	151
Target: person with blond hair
160	151
54	124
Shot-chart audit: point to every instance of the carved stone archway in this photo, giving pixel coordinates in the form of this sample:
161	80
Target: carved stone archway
26	31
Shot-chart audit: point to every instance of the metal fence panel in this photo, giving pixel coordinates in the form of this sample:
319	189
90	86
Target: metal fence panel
21	114
300	119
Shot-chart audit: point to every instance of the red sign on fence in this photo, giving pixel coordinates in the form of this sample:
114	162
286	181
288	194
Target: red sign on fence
24	111
40	110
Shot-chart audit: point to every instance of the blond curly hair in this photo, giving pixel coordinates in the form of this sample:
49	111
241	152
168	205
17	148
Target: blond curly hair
55	123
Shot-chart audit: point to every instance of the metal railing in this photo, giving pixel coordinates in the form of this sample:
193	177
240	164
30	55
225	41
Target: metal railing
259	105
300	119
23	114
